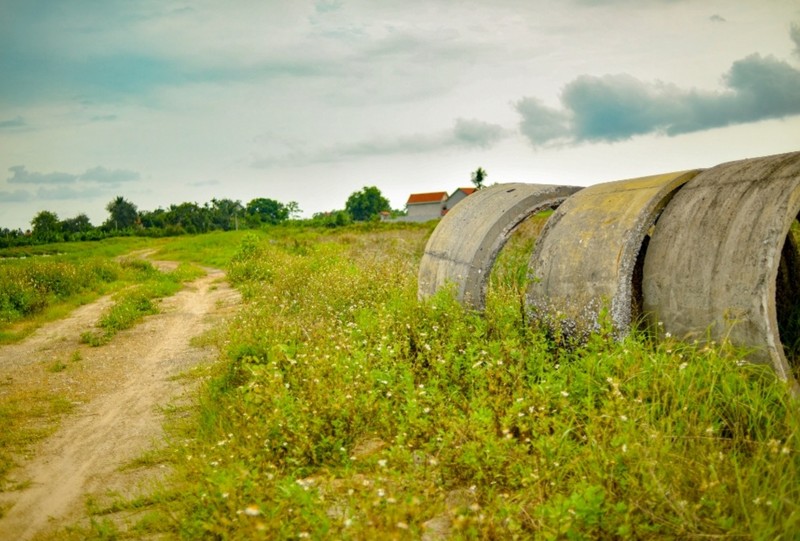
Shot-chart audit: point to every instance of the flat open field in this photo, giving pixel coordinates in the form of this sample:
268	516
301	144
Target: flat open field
289	384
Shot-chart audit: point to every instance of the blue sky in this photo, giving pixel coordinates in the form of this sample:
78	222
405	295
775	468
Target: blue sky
166	102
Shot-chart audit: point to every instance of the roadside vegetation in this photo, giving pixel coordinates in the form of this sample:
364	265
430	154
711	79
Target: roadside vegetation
343	407
42	283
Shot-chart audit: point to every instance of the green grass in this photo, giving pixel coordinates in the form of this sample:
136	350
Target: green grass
343	407
106	248
31	405
41	287
213	249
26	416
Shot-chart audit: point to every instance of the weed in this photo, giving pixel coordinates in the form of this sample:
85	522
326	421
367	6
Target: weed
57	366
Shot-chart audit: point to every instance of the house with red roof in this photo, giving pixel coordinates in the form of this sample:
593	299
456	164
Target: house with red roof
422	207
458	196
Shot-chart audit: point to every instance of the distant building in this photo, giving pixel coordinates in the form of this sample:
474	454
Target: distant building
422	207
457	196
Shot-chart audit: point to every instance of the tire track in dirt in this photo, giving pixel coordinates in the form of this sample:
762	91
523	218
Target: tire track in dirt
122	421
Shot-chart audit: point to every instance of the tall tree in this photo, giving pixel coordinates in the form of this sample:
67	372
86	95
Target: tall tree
191	217
478	177
294	209
153	218
225	213
266	211
46	227
366	204
123	214
78	224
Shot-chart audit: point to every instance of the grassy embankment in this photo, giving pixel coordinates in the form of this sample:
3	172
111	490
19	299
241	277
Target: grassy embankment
44	283
344	408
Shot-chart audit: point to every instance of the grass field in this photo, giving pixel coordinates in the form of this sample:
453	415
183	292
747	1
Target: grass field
342	407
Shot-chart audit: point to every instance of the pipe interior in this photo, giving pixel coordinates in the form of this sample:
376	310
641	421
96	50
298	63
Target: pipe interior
787	299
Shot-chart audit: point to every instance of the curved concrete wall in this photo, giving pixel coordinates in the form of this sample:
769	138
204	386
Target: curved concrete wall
465	244
720	252
586	255
700	254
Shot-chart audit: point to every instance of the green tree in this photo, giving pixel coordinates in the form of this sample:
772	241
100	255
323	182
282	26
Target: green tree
294	209
189	217
153	219
46	227
333	218
479	177
78	224
225	213
266	211
366	204
123	214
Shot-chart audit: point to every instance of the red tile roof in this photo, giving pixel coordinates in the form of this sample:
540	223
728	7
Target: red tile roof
468	191
430	197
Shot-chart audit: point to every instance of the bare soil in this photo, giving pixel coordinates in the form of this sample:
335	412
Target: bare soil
119	391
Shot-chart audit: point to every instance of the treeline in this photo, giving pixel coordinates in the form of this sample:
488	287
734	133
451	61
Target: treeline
125	219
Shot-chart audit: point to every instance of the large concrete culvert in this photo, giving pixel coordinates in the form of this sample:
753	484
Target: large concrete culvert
587	259
722	265
464	246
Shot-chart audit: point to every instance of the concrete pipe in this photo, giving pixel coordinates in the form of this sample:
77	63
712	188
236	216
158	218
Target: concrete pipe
587	259
721	264
464	246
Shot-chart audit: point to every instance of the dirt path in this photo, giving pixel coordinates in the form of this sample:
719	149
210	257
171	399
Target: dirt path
123	385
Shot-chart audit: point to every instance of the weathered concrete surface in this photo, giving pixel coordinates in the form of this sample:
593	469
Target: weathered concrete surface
465	244
714	266
586	256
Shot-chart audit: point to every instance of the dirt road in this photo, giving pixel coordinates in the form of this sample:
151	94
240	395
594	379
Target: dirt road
120	387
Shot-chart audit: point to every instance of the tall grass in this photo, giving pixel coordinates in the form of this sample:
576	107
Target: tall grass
345	408
28	287
39	282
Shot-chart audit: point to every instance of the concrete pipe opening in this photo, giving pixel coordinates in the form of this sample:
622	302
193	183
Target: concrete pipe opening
464	246
723	262
787	300
508	280
590	255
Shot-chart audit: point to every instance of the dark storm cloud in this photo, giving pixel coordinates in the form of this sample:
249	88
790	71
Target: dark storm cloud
618	107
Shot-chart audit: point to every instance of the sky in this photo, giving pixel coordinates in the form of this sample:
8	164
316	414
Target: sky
164	102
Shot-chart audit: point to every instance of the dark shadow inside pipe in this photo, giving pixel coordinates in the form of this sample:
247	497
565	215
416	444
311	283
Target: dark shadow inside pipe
787	298
637	293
